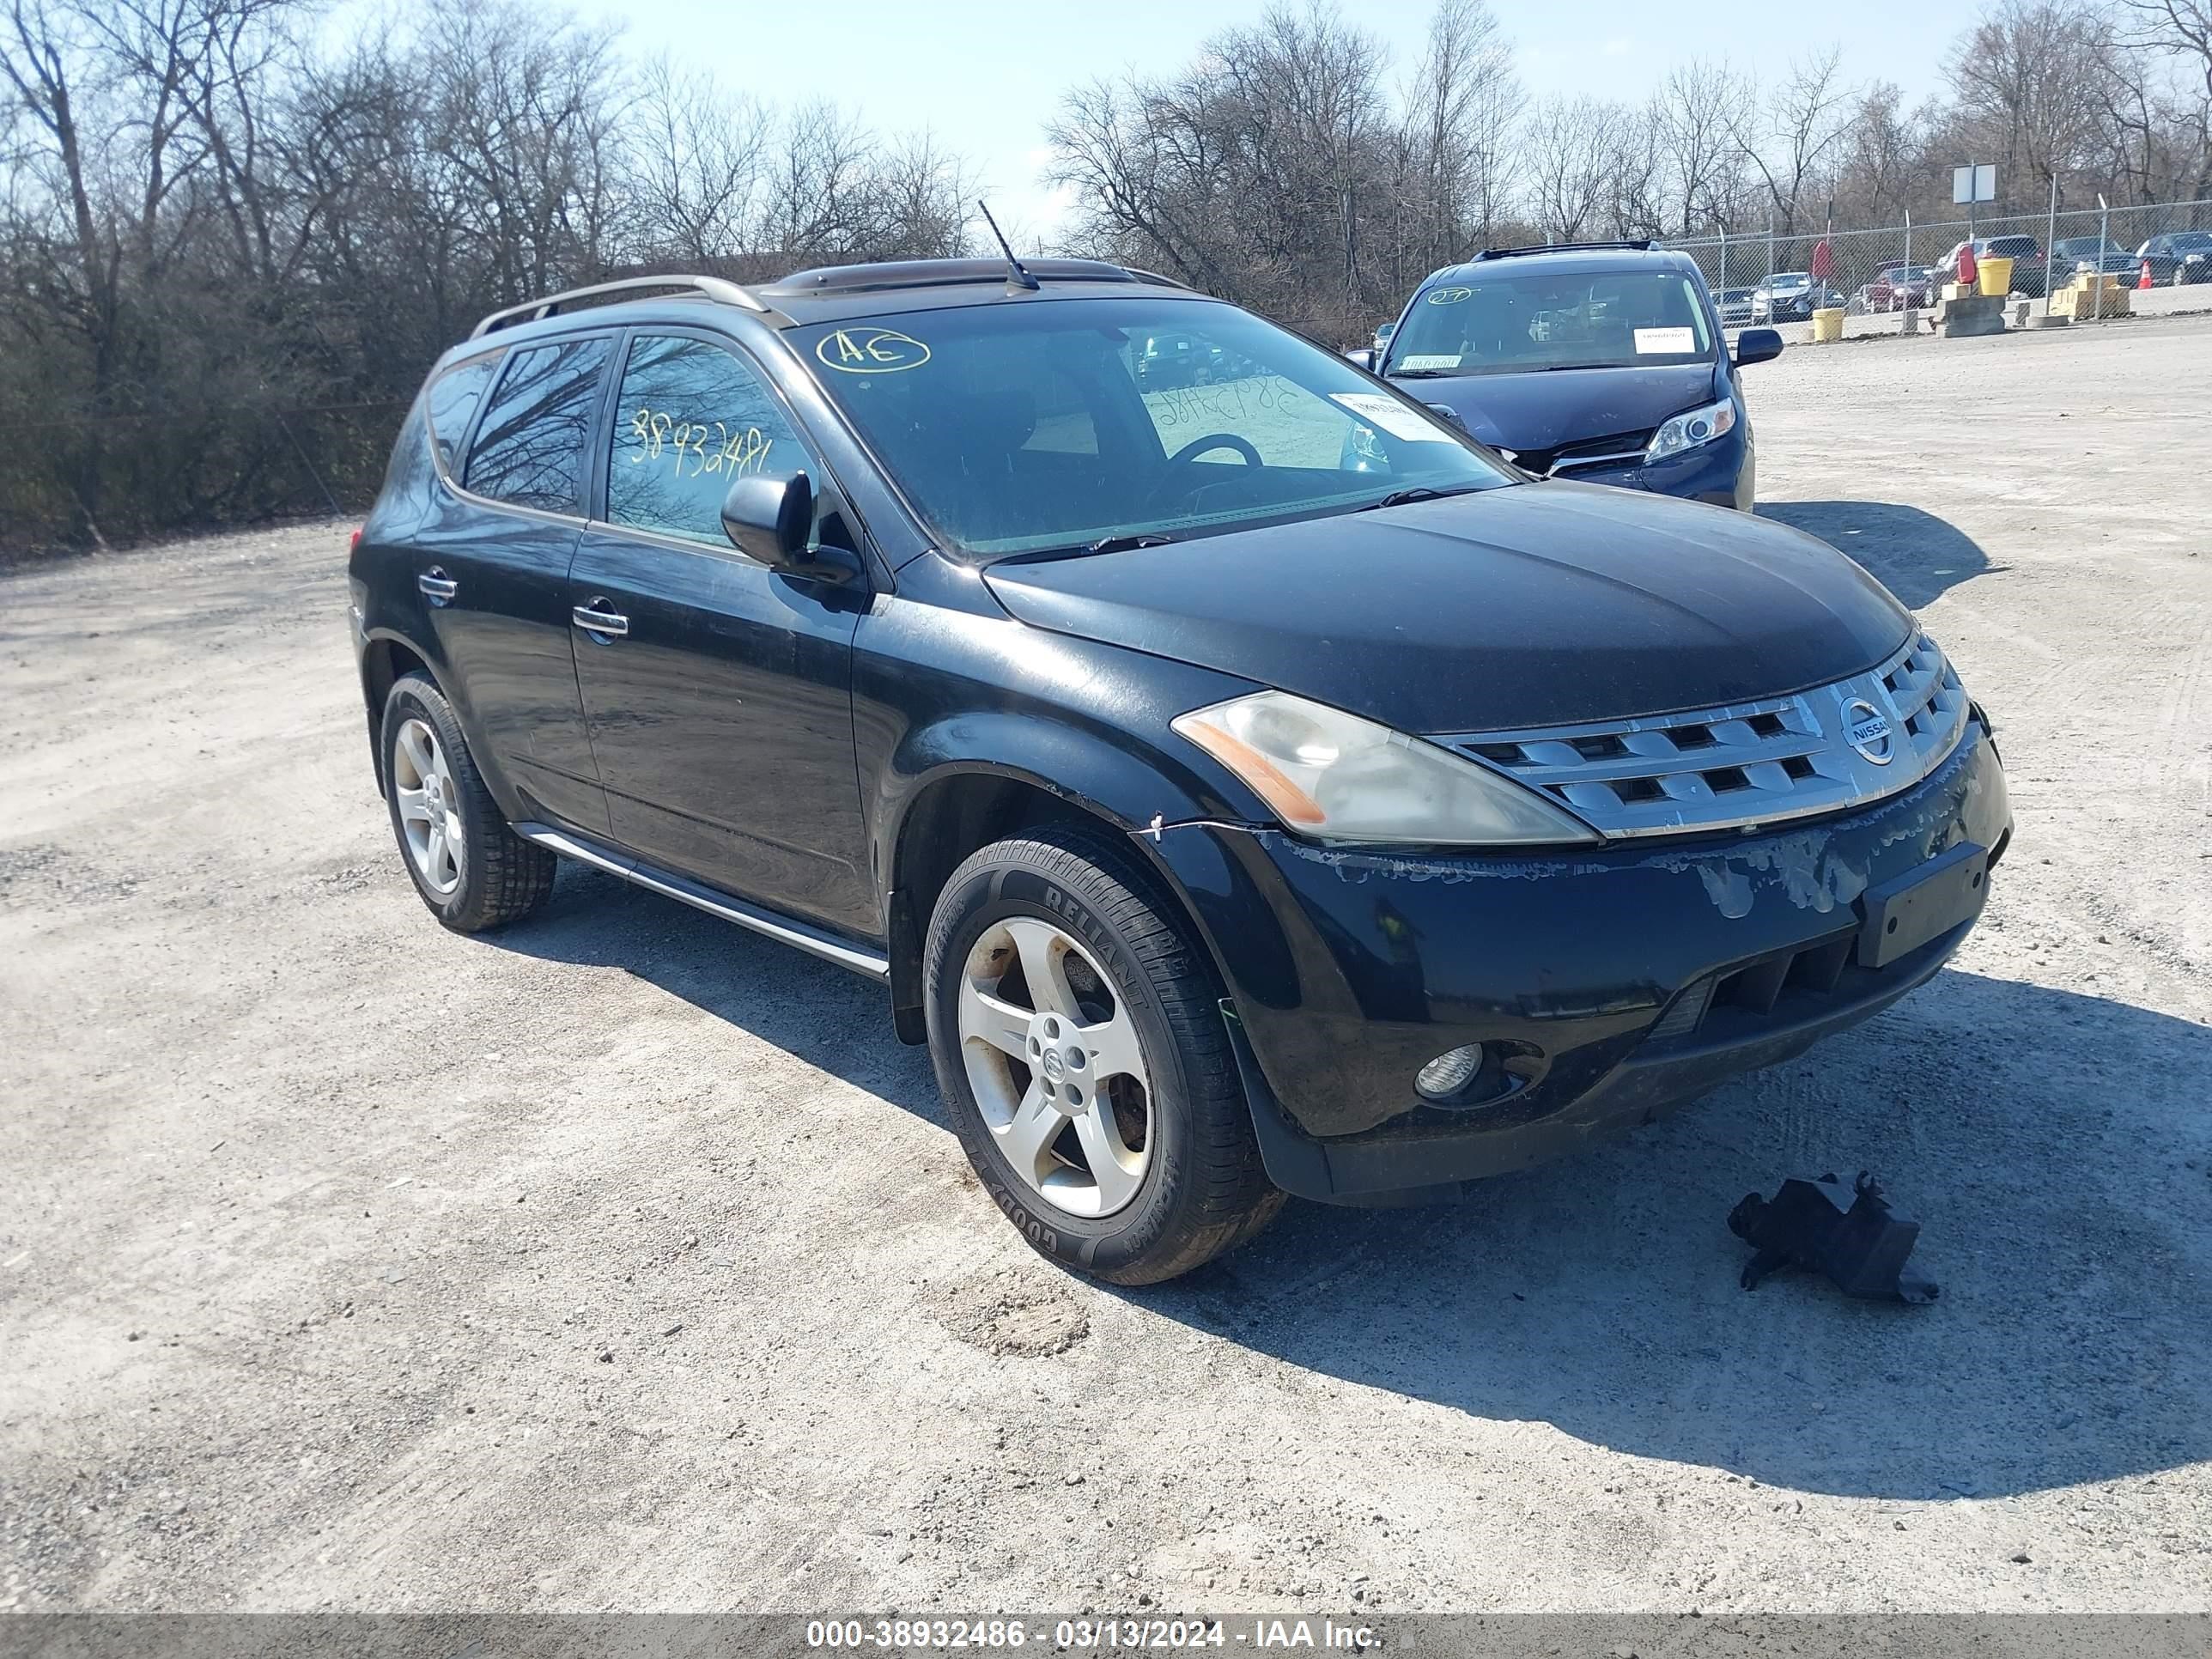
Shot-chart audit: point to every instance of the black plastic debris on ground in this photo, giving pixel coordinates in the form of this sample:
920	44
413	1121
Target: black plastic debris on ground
1853	1237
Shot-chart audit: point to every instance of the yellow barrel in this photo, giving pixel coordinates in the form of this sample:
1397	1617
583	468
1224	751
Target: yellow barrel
1996	276
1827	325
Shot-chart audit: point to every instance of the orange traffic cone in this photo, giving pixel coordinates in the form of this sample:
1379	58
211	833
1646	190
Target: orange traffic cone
2143	282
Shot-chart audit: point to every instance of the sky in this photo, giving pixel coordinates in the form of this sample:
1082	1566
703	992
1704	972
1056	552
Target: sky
986	75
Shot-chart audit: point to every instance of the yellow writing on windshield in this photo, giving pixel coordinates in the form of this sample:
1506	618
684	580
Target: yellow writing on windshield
870	351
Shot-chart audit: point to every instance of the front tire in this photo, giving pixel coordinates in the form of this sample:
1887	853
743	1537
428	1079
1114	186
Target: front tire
473	872
1077	1034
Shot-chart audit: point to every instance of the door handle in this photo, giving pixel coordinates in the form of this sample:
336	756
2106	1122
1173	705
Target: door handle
600	620
436	586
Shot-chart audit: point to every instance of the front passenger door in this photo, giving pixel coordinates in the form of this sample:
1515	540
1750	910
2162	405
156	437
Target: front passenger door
718	691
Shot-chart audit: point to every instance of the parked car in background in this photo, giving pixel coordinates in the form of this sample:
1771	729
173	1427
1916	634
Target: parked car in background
1896	287
1734	304
2025	252
1790	296
2178	257
2071	255
1226	820
1603	362
1382	333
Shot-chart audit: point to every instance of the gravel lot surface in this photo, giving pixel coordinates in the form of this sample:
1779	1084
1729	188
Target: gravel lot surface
624	1260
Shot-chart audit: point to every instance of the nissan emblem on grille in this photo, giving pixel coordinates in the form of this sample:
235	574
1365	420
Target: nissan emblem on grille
1825	750
1868	727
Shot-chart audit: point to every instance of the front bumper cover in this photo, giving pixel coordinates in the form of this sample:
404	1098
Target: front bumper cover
1624	979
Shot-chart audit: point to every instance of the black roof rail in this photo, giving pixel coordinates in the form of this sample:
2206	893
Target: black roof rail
717	288
1641	244
943	273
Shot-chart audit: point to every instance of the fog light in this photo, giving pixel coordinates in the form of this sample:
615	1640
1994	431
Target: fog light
1448	1073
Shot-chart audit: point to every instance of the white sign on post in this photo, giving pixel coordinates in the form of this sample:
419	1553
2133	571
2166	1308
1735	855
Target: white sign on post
1974	184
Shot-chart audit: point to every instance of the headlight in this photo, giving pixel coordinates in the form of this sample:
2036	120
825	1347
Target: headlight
1689	430
1331	775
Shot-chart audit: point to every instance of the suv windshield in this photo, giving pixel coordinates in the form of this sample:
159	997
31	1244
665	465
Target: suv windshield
1061	426
1512	325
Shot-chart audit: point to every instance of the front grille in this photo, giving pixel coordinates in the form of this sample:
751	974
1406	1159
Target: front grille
1775	990
1820	750
1615	449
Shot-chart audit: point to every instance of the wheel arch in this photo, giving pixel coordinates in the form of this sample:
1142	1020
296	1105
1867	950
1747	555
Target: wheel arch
384	660
958	805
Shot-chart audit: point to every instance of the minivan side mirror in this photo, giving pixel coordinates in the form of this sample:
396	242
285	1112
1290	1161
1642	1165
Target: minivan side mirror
1362	357
772	520
1757	345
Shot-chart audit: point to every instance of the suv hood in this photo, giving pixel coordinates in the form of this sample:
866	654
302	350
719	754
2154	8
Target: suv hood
1539	412
1529	605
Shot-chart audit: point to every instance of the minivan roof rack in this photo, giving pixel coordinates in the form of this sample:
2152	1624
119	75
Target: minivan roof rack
717	288
1642	245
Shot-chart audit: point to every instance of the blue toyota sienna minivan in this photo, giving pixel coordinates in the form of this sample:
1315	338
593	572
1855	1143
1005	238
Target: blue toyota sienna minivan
1605	363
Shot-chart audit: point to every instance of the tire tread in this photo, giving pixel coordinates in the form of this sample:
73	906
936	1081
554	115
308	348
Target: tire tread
1233	1198
508	878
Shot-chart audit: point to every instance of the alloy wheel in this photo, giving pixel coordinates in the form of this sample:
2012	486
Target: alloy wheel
430	806
1053	1055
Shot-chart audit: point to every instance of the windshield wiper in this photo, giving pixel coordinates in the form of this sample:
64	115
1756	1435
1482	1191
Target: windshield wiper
1413	493
1123	544
1076	549
1419	374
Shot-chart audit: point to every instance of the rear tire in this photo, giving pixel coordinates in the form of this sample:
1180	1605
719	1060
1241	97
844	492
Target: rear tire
473	872
1152	1171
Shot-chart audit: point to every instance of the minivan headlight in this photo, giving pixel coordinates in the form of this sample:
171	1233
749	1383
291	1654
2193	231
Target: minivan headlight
1335	776
1689	429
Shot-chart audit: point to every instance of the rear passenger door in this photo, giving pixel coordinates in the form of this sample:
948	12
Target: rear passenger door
495	569
718	691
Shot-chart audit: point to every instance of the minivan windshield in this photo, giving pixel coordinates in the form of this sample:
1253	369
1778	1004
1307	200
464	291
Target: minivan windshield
1517	324
1081	425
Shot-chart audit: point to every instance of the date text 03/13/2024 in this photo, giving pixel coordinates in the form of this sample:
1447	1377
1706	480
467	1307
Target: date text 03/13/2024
1088	1634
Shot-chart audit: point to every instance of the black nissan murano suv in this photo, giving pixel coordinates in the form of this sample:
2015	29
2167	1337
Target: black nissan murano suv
1244	787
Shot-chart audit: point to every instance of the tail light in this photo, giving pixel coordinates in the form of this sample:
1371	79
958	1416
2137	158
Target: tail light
355	544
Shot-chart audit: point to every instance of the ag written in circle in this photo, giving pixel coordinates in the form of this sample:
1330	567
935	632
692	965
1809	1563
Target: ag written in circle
870	351
1450	297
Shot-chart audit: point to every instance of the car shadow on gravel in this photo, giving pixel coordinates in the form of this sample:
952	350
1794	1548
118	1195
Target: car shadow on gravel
2050	1143
1914	554
2052	1146
823	1014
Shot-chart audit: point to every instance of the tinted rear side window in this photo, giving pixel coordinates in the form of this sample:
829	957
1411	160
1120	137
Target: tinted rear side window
451	405
530	449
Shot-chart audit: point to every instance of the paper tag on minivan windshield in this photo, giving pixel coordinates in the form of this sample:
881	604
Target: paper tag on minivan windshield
1393	416
1431	360
1651	342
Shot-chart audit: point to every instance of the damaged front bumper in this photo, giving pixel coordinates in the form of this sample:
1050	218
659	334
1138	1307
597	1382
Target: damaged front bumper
1599	986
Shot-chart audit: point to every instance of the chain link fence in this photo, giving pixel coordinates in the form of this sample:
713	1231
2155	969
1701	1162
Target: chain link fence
1735	264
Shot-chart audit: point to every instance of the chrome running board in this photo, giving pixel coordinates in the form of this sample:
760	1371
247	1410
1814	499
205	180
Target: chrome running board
859	960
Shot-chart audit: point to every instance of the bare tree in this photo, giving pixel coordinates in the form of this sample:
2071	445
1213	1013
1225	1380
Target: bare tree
1264	172
1460	110
1790	139
1567	148
697	163
1704	164
2027	81
2181	31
